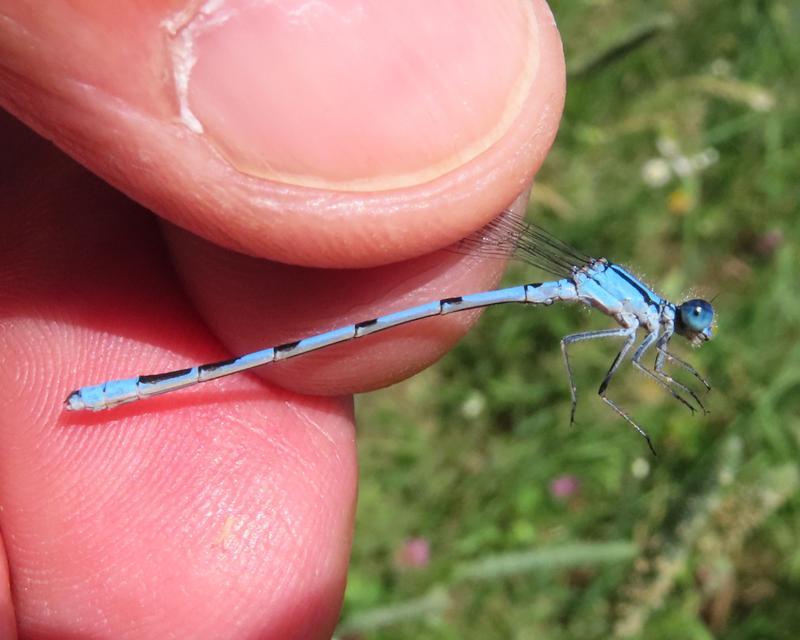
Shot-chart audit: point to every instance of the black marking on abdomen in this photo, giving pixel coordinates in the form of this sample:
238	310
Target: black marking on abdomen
289	346
160	377
366	323
532	285
213	366
456	300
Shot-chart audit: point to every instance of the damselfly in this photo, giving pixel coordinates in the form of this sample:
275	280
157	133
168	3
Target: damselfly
594	282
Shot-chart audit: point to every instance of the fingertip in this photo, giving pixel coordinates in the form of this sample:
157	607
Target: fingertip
253	304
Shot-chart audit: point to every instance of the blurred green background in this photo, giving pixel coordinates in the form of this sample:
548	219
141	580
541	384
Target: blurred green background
482	514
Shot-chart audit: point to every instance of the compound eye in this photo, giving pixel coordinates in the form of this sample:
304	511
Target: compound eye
697	315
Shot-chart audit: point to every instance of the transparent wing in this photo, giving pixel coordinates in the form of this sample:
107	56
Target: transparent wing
509	236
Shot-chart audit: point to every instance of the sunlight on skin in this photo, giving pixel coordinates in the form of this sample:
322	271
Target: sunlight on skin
240	498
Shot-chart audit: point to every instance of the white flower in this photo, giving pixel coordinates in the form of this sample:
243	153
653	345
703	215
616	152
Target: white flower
474	405
656	172
640	468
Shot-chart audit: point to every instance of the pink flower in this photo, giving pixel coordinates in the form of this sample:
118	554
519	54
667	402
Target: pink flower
563	487
415	553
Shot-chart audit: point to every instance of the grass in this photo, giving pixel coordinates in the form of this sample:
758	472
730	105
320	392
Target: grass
482	514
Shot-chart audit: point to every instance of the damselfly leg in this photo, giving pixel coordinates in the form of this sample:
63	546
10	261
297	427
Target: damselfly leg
663	355
579	337
662	378
630	339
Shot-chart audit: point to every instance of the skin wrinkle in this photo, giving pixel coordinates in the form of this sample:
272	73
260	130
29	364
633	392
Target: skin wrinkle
289	456
316	426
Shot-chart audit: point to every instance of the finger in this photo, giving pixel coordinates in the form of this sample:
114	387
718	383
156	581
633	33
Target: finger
238	504
294	131
251	304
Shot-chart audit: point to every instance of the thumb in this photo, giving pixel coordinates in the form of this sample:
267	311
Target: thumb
291	130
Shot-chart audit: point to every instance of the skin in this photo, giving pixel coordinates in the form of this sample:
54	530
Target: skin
226	511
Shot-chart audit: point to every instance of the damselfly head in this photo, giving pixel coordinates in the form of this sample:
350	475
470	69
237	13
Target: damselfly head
694	320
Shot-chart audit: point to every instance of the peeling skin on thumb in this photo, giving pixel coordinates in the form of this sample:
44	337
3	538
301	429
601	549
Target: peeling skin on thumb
182	29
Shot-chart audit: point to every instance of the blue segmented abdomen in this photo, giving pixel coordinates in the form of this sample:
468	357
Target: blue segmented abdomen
116	392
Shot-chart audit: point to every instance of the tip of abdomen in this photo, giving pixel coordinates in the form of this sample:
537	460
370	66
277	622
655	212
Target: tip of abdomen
74	402
103	396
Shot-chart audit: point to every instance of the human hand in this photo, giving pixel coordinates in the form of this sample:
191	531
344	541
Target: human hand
227	511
